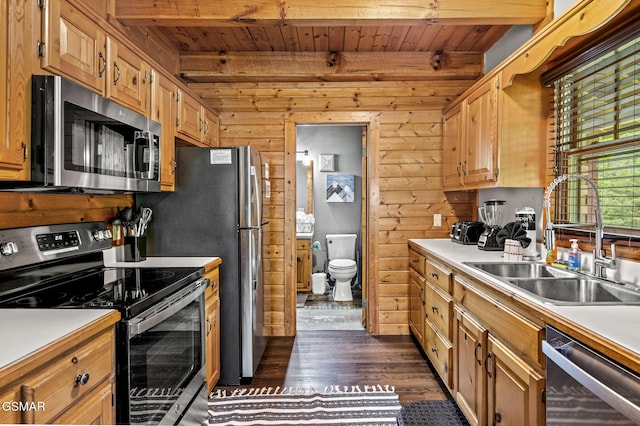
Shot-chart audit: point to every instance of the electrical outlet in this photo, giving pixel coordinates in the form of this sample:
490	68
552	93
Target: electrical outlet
437	219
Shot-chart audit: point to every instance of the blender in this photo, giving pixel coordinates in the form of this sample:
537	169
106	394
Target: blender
491	215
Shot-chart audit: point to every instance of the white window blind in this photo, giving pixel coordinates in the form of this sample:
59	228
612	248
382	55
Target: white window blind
596	133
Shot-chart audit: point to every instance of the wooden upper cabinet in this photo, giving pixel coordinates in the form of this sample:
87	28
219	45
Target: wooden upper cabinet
210	130
163	110
495	137
189	124
452	147
480	151
128	78
15	95
470	144
196	124
73	45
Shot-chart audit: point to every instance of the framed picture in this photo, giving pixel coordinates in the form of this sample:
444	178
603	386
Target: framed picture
340	188
327	162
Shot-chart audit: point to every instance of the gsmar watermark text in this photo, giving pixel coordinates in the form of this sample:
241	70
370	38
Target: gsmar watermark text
23	406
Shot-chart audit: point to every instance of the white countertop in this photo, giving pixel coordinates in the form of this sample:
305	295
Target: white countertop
24	331
619	324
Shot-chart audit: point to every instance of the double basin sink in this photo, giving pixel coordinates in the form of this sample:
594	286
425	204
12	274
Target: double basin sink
560	287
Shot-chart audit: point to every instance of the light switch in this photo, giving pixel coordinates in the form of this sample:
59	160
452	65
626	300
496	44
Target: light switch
437	219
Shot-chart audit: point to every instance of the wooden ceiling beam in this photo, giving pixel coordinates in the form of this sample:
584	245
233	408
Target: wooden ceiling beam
329	66
328	13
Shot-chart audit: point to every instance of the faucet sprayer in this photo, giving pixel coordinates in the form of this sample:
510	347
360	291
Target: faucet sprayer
600	262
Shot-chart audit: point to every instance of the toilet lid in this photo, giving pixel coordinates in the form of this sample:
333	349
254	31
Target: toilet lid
342	263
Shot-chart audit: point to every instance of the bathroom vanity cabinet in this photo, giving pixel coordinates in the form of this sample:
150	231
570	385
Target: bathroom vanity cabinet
303	265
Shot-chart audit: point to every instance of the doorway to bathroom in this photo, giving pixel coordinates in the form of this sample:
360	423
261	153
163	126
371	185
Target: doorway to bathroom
329	201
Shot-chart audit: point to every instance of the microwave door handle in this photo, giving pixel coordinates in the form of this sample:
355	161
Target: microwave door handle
605	393
145	324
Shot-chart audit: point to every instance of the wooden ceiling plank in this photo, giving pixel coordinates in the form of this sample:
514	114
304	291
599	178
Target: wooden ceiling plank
332	12
305	38
319	66
266	39
398	34
352	38
382	38
321	39
367	37
290	37
336	38
429	34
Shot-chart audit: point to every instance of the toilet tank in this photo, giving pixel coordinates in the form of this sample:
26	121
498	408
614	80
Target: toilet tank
341	246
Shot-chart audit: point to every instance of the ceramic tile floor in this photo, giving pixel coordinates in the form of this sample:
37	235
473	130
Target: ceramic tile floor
321	312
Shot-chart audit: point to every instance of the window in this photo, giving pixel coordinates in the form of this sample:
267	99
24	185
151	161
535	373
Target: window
596	133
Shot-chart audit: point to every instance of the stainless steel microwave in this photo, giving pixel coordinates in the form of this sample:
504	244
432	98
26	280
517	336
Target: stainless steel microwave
83	142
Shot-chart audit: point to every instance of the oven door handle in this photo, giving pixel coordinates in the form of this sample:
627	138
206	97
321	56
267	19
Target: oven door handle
605	393
140	326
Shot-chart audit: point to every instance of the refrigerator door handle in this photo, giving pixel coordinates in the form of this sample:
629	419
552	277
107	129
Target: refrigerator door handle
256	197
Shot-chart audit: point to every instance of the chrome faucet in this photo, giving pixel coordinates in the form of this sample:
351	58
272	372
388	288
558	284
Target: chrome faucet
600	261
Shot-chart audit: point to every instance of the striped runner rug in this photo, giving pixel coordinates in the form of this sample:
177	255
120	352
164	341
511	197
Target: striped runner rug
368	405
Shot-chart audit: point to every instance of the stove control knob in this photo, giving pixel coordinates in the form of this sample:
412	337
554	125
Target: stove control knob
8	248
99	235
108	234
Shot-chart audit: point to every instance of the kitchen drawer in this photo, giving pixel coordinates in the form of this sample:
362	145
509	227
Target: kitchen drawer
69	377
214	286
417	261
439	275
522	335
440	352
438	309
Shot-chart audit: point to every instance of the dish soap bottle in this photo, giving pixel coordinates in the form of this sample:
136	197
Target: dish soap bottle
574	256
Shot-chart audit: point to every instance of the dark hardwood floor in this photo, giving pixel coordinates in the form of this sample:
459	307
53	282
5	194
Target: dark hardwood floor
320	359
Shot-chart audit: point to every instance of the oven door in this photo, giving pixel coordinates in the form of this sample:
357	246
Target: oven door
161	368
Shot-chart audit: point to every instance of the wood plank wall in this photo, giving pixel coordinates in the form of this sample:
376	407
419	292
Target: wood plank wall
31	209
409	155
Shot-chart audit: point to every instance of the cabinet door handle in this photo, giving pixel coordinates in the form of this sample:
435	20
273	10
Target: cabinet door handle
209	327
458	169
434	309
475	353
421	295
82	379
103	68
464	168
116	68
434	275
434	350
486	364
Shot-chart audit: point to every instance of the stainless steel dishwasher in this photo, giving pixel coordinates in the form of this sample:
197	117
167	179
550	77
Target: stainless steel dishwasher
584	387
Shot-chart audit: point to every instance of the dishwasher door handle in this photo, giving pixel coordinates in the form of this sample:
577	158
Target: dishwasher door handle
604	392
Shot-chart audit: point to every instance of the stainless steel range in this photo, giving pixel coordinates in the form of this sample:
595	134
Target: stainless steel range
160	374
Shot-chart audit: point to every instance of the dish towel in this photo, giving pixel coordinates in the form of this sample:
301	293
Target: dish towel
513	231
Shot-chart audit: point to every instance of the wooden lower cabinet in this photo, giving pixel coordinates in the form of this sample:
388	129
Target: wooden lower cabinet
514	393
440	352
470	351
486	353
68	382
212	342
303	266
417	302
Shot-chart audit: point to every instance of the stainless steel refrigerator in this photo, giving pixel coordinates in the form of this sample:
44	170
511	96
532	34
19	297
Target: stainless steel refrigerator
216	210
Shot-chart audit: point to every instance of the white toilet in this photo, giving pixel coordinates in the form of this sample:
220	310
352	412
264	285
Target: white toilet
341	251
